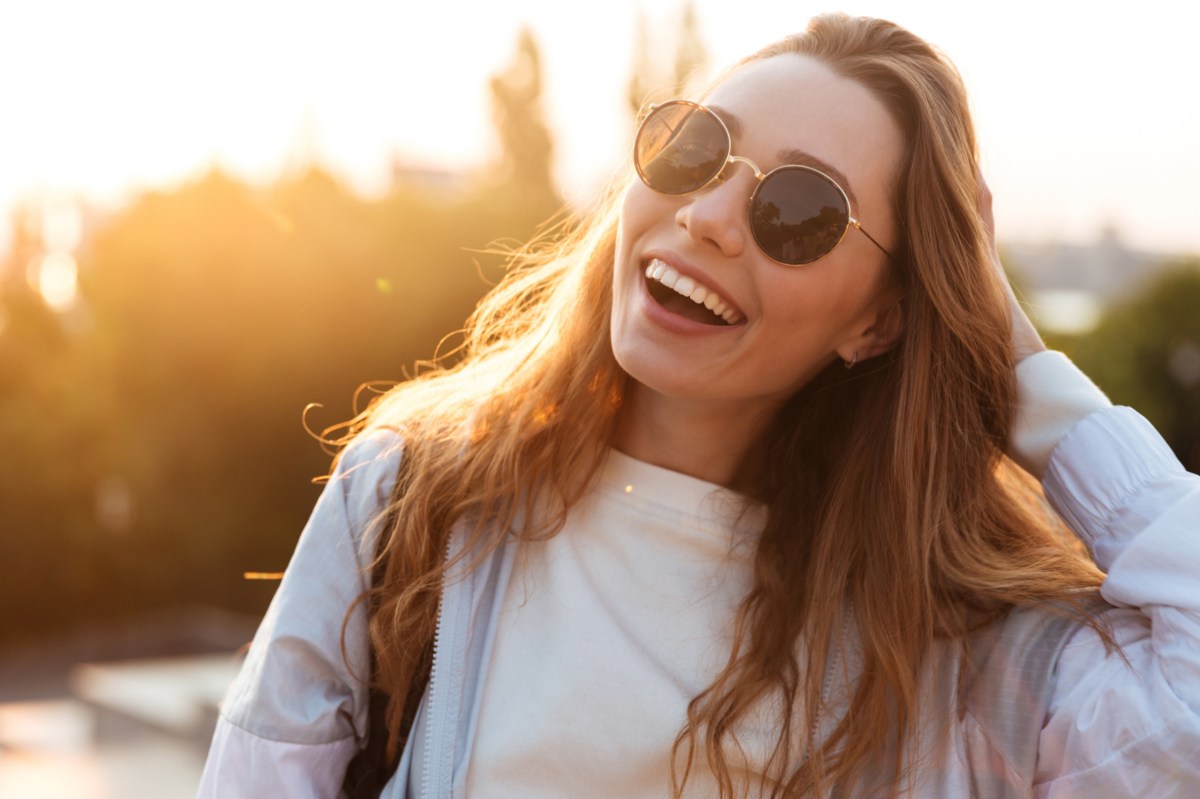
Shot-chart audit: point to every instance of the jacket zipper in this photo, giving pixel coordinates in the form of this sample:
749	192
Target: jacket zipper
433	732
826	679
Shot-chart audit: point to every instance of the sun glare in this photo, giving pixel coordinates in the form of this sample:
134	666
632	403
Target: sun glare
62	226
56	277
258	87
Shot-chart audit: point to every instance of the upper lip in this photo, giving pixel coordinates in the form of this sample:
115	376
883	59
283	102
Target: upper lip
681	266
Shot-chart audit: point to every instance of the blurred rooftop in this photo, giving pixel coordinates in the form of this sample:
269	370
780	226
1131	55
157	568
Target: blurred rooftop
123	711
1069	285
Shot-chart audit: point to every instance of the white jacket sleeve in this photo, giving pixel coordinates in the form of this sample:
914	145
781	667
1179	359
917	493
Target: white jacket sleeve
1052	395
294	715
1117	728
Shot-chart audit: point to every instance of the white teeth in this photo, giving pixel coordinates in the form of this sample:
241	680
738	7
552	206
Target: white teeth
697	293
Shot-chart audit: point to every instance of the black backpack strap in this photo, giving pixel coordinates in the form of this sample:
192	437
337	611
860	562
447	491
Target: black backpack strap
370	770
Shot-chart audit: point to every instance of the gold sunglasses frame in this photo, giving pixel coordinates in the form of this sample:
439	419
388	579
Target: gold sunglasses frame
759	176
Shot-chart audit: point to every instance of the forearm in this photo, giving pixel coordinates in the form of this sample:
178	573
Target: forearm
1128	723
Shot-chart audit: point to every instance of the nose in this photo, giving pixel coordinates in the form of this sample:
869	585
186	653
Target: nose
717	215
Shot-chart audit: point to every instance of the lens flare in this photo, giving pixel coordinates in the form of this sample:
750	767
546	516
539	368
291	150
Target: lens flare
56	277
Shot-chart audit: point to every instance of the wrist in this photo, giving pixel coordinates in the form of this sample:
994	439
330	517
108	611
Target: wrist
1052	396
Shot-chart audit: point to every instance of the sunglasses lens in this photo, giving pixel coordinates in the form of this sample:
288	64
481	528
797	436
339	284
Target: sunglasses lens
679	148
798	215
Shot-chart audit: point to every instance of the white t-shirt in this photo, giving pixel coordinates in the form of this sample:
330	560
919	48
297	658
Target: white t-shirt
607	631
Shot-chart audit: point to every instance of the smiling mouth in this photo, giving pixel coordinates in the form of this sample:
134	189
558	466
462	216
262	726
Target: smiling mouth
685	297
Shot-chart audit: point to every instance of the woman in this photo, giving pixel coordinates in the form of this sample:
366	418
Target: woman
718	502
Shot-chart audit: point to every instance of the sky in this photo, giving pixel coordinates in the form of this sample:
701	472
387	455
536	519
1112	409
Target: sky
1086	117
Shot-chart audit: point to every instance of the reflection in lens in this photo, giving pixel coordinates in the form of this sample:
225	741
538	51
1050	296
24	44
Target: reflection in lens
680	148
797	215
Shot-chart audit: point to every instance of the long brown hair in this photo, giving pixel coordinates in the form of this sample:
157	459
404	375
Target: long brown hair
889	495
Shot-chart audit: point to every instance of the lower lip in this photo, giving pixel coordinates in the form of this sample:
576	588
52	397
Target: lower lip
673	322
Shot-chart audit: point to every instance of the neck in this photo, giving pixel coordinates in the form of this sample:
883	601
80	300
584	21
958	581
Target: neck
708	439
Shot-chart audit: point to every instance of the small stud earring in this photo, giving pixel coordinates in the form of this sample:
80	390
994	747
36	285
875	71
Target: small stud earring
850	364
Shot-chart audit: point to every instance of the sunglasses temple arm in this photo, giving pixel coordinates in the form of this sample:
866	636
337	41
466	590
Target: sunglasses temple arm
863	231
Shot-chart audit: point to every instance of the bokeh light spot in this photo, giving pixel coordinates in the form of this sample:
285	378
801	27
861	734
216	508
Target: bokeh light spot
56	277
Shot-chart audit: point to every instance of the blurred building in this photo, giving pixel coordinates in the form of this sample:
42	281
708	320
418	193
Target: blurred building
1069	285
444	183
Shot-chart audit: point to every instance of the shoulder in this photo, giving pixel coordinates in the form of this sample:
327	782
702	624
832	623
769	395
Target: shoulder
1125	716
1008	679
1014	659
300	682
364	475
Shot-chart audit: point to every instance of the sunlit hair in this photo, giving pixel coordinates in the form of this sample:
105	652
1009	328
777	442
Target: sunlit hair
889	495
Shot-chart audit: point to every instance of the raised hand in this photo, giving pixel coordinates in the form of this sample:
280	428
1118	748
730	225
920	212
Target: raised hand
1025	339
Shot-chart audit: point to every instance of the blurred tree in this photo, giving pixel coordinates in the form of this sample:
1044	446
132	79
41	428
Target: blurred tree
650	79
527	151
691	55
643	76
1145	353
53	400
155	454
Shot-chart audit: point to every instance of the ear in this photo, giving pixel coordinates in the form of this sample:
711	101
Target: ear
878	333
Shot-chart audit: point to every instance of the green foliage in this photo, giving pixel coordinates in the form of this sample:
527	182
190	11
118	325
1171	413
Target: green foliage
1145	353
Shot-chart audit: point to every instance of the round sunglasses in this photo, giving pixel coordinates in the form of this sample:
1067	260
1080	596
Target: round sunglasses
797	214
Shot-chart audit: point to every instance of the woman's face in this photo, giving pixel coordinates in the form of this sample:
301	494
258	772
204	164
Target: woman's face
788	322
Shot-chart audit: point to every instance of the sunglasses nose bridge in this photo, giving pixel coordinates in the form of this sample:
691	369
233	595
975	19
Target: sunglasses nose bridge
738	159
716	213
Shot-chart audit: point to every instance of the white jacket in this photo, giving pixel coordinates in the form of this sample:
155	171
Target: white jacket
1097	726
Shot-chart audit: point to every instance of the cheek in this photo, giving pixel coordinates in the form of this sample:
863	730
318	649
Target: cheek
643	210
822	305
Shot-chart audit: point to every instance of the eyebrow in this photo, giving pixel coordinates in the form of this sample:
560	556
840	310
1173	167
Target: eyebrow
791	155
